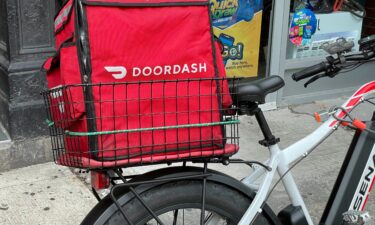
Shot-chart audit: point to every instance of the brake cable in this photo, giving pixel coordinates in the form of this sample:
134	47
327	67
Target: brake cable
352	123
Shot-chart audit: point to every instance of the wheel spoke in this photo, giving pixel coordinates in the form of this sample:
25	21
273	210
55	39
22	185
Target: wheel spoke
207	217
175	215
212	219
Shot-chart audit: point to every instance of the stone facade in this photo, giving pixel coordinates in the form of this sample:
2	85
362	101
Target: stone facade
4	64
26	40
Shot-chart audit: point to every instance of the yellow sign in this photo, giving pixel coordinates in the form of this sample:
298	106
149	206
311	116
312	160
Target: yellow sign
237	24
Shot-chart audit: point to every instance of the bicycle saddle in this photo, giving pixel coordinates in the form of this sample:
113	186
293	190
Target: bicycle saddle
250	90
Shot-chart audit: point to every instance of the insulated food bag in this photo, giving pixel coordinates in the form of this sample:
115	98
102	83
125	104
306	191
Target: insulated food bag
136	82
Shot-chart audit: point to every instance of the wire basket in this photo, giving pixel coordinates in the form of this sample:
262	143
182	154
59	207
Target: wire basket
111	125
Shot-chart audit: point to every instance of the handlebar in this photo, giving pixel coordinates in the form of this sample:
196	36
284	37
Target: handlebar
310	71
331	64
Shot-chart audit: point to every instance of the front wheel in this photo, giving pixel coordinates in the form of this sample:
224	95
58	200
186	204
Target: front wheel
178	203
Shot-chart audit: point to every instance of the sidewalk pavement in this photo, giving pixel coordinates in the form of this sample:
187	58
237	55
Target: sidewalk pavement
48	194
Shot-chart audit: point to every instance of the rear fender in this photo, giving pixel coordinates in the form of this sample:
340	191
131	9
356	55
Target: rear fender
169	172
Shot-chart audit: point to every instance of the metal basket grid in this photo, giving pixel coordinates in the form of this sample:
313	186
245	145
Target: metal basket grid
111	125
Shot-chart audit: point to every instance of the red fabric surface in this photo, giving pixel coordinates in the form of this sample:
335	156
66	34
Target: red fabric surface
142	44
85	162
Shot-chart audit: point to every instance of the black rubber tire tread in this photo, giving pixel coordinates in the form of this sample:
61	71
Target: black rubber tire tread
220	199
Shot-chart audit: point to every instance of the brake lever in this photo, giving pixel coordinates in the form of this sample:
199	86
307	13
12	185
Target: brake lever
331	73
314	78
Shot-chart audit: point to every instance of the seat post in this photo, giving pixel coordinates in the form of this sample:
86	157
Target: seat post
269	138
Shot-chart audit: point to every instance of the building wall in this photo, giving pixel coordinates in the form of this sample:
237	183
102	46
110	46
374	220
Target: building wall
4	62
26	40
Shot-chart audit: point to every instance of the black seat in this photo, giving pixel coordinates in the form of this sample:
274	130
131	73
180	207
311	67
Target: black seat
250	90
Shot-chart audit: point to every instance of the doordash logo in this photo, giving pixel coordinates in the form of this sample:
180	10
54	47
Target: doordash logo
120	72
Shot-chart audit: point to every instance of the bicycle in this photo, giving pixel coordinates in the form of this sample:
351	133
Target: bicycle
209	197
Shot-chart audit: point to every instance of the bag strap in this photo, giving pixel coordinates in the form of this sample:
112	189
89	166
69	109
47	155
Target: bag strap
63	15
53	61
59	5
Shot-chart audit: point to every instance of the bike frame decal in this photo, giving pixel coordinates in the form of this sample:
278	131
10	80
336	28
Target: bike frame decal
365	185
365	89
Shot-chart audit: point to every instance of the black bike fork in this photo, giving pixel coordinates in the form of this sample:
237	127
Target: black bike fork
355	178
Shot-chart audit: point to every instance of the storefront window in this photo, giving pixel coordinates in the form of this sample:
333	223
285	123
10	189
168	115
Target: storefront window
334	19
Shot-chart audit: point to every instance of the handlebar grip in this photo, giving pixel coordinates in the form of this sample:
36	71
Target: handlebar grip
310	71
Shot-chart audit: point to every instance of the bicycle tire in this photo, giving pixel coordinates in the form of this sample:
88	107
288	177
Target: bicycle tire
225	201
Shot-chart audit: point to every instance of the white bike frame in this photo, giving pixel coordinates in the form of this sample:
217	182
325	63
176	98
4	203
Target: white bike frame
282	160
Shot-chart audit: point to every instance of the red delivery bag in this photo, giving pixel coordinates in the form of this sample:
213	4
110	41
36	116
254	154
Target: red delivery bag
137	82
